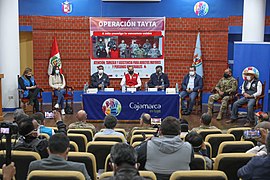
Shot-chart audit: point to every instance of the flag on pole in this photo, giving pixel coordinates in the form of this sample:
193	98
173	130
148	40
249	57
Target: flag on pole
55	59
197	59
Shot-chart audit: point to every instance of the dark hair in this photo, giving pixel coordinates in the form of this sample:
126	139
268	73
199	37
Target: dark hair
58	143
39	117
19	115
194	67
159	66
183	125
26	126
27	70
53	73
110	121
146	118
170	126
123	153
206	119
195	140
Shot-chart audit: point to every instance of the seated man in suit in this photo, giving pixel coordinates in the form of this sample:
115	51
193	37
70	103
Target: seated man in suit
100	79
58	152
159	79
251	89
192	82
131	79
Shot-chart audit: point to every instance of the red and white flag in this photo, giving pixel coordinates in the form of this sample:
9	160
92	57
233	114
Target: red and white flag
55	59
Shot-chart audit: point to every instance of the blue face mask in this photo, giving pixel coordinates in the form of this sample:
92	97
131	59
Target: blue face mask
56	71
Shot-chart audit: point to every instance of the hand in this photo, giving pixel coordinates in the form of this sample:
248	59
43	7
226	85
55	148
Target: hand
57	116
246	95
9	171
220	93
189	90
263	135
100	85
58	88
203	146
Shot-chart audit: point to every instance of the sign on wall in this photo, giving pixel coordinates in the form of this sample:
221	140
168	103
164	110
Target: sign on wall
119	42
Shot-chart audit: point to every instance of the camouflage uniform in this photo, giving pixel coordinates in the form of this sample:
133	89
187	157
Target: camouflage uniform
82	125
226	85
134	47
139	53
147	46
154	53
123	50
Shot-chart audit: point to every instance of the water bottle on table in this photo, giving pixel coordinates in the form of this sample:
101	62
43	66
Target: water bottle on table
146	86
176	88
123	89
162	85
102	86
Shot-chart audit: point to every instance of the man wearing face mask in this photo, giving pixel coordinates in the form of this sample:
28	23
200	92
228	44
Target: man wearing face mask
191	84
157	78
154	52
123	49
147	46
251	88
101	49
100	79
133	48
224	88
131	79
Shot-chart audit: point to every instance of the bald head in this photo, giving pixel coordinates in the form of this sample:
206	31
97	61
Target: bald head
81	115
145	119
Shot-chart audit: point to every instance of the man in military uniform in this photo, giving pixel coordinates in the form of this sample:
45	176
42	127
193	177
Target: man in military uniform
81	123
133	47
154	52
123	49
100	44
147	46
111	43
225	87
139	53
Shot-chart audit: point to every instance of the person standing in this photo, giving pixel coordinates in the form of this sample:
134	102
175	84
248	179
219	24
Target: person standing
159	79
154	52
147	46
131	79
123	49
100	79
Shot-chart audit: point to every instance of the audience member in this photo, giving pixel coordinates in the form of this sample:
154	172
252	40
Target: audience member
131	79
38	121
258	167
159	79
18	115
8	171
57	160
261	116
124	162
205	123
165	154
100	79
199	148
81	123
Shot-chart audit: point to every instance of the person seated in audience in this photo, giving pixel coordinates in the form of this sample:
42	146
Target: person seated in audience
58	152
205	123
38	121
145	123
81	116
260	148
100	79
261	117
258	167
225	87
30	90
131	79
159	79
18	115
165	154
8	171
58	83
191	84
110	122
28	139
199	148
251	89
124	162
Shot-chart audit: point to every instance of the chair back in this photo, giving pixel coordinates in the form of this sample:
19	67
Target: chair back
3	143
205	132
22	159
121	130
198	163
237	132
229	163
209	149
86	158
216	139
235	146
146	174
87	132
114	138
43	136
73	146
55	175
136	143
139	137
79	139
107	166
144	131
198	175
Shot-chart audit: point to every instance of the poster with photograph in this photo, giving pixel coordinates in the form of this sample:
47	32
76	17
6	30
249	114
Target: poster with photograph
119	42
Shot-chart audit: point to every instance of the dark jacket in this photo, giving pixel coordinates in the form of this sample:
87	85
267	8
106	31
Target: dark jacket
156	80
257	168
95	81
198	82
126	171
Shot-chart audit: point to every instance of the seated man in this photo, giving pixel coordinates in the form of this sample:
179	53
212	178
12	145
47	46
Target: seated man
225	87
165	154
57	160
205	123
124	162
100	79
18	115
159	79
38	121
258	167
109	122
191	84
81	123
131	79
251	89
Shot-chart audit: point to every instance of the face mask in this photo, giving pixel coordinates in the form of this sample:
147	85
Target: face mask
158	71
248	78
191	73
225	75
123	42
57	71
130	72
28	77
100	71
154	46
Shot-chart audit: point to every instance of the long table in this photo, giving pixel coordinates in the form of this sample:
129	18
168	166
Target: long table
130	106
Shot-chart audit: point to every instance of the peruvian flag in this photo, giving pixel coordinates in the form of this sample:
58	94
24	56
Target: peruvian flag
55	59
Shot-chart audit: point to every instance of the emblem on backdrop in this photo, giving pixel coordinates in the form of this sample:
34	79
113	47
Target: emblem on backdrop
201	8
66	7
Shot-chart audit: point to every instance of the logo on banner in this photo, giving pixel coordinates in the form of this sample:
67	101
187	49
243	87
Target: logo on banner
66	7
201	8
111	106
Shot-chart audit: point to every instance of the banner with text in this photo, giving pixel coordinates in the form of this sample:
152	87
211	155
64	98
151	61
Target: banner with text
119	42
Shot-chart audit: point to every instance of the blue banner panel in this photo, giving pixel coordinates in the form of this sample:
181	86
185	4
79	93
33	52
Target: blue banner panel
130	106
253	54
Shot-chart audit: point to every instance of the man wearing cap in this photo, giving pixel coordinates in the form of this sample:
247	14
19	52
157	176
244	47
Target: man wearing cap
261	117
251	89
100	79
131	79
157	78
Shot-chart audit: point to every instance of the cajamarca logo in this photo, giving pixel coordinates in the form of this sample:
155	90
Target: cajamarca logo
137	106
111	106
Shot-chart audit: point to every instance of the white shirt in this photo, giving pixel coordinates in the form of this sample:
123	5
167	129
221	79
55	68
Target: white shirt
191	82
259	88
123	81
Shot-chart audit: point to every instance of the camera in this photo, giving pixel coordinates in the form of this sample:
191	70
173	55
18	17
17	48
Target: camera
8	128
252	134
49	115
155	121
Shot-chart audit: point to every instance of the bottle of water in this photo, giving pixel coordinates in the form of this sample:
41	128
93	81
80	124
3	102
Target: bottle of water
146	86
176	88
84	88
102	86
162	85
123	89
